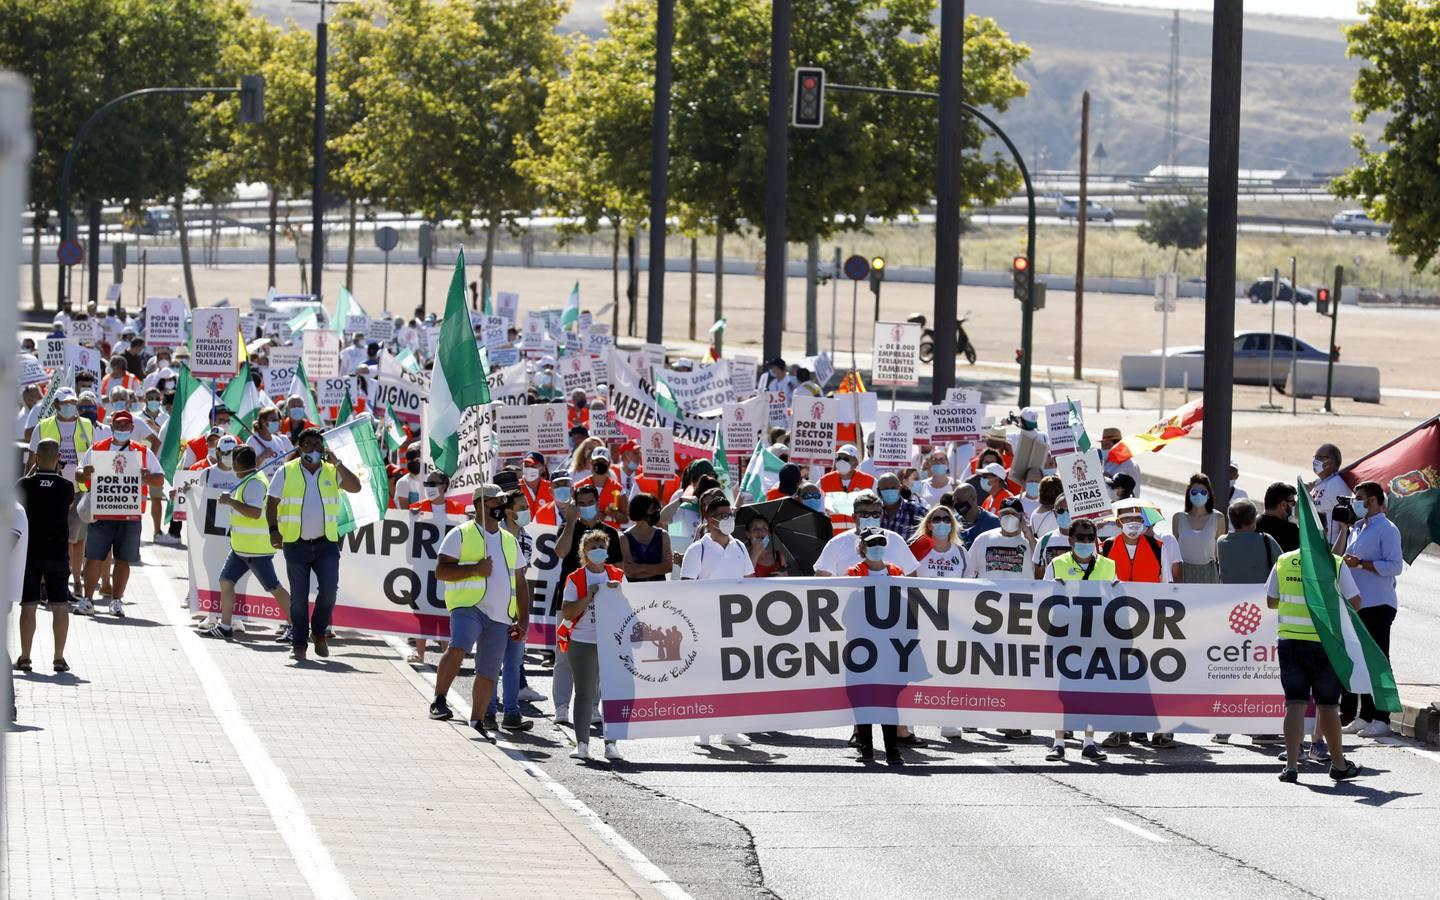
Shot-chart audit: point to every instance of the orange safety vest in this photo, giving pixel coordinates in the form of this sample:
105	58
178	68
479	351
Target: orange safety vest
577	580
135	447
830	483
1144	568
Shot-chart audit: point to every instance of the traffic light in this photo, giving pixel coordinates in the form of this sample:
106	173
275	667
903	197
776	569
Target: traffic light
252	99
809	111
1020	273
877	274
1322	301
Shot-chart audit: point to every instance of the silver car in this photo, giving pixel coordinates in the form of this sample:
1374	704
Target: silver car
1069	208
1252	356
1357	221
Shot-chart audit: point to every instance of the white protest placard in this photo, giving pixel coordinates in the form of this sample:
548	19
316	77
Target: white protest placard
117	484
381	330
1083	476
330	391
84	329
551	427
654	356
600	365
215	342
812	439
958	419
894	439
702	389
249	322
404	392
504	356
602	426
578	373
896	354
821	365
492	332
183	479
598	343
1062	427
777	410
28	369
52	353
742	423
320	351
84	359
920	421
507	306
845	405
533	332
357	324
112	293
283	363
744	371
657	452
514	430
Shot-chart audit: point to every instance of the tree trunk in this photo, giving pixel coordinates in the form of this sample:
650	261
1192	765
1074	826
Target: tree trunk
694	286
719	279
37	295
184	233
615	281
487	271
812	295
350	248
271	237
632	279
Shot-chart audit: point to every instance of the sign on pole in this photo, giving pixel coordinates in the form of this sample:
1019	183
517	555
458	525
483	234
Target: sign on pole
894	439
330	391
165	321
896	354
657	452
83	329
812	439
957	419
1083	476
117	484
215	342
1062	428
52	353
742	423
320	351
514	429
551	429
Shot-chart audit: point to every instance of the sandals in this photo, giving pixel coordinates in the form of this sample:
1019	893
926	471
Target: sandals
1163	741
23	664
415	659
61	666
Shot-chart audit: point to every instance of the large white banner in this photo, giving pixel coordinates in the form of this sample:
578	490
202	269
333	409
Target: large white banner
632	398
387	576
697	657
702	389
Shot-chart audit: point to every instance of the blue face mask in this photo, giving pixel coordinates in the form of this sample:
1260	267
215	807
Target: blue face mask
562	495
985	485
297	413
940	530
765	542
890	496
864	522
1085	549
815	503
1049	470
313	456
1062	518
588	512
940	470
1198	498
596	555
875	554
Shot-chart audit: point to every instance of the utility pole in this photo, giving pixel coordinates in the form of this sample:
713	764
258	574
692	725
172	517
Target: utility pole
1226	57
777	154
947	196
317	149
93	252
1172	99
659	170
1080	238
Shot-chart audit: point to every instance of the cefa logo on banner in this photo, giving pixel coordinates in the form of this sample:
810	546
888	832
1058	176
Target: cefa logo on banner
739	413
894	423
1081	472
896	334
657	441
1245	618
165	307
549	415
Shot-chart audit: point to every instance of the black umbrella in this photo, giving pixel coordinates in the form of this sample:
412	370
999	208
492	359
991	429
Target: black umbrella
800	531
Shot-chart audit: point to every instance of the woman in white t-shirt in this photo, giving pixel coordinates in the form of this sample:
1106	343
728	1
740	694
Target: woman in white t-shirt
936	545
267	440
578	610
937	481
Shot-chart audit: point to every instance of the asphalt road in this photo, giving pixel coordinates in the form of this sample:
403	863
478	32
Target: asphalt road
794	816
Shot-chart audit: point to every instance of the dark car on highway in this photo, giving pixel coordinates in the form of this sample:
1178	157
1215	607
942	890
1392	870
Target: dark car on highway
1252	356
1259	292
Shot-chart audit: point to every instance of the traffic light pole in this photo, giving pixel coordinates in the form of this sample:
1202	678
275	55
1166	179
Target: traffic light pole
949	145
90	123
1027	315
777	157
659	171
1334	324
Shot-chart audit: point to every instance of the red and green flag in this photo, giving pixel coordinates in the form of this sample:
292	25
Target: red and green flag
1408	468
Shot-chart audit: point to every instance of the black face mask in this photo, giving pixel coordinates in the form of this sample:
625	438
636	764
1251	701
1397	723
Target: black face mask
653	517
962	508
413	467
600	467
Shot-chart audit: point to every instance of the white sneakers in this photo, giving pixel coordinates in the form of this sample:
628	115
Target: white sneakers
951	731
208	623
1375	729
703	740
612	752
117	608
581	751
562	715
530	695
734	740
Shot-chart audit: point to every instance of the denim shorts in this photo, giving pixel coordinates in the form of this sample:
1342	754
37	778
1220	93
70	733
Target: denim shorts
120	535
263	568
470	629
1305	671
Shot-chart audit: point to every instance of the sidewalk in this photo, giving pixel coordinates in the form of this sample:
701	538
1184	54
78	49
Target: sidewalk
169	764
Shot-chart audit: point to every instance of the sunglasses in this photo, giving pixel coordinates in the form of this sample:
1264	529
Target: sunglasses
939	519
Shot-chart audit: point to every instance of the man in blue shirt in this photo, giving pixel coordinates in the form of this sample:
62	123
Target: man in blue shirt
1371	549
974	521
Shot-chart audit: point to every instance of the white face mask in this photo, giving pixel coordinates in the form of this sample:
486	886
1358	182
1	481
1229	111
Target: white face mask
522	518
1010	524
1318	465
843	467
530	474
1133	529
433	491
725	526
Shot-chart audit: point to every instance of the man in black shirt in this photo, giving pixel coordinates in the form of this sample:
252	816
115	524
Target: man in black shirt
1280	502
46	495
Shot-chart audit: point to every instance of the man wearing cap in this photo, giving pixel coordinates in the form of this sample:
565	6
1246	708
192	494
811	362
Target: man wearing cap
995	439
842	552
993	487
479	563
302	510
122	536
844	479
534	483
776	379
74	435
1108	439
199	447
1138	557
788	485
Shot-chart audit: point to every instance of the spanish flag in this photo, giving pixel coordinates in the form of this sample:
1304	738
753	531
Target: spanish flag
1160	435
850	384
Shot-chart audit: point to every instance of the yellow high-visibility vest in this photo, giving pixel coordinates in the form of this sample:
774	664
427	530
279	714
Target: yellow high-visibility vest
1068	568
471	591
249	534
1295	621
292	500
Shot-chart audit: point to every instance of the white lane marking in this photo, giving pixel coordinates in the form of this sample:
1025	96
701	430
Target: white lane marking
642	864
1136	829
1404	744
325	879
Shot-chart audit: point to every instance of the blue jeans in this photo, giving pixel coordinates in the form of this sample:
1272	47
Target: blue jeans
512	679
301	558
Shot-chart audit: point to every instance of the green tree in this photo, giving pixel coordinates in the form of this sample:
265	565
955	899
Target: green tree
449	92
1174	223
1399	184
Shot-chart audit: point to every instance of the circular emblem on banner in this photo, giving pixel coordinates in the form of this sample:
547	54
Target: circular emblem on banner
657	442
1080	470
817	411
119	465
165	307
549	415
1245	618
657	642
739	413
215	326
897	334
894	423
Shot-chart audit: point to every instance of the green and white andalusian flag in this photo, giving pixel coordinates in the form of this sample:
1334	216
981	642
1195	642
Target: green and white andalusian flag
762	473
189	417
345	307
243	399
347	409
354	443
458	379
570	318
1353	653
300	387
393	434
